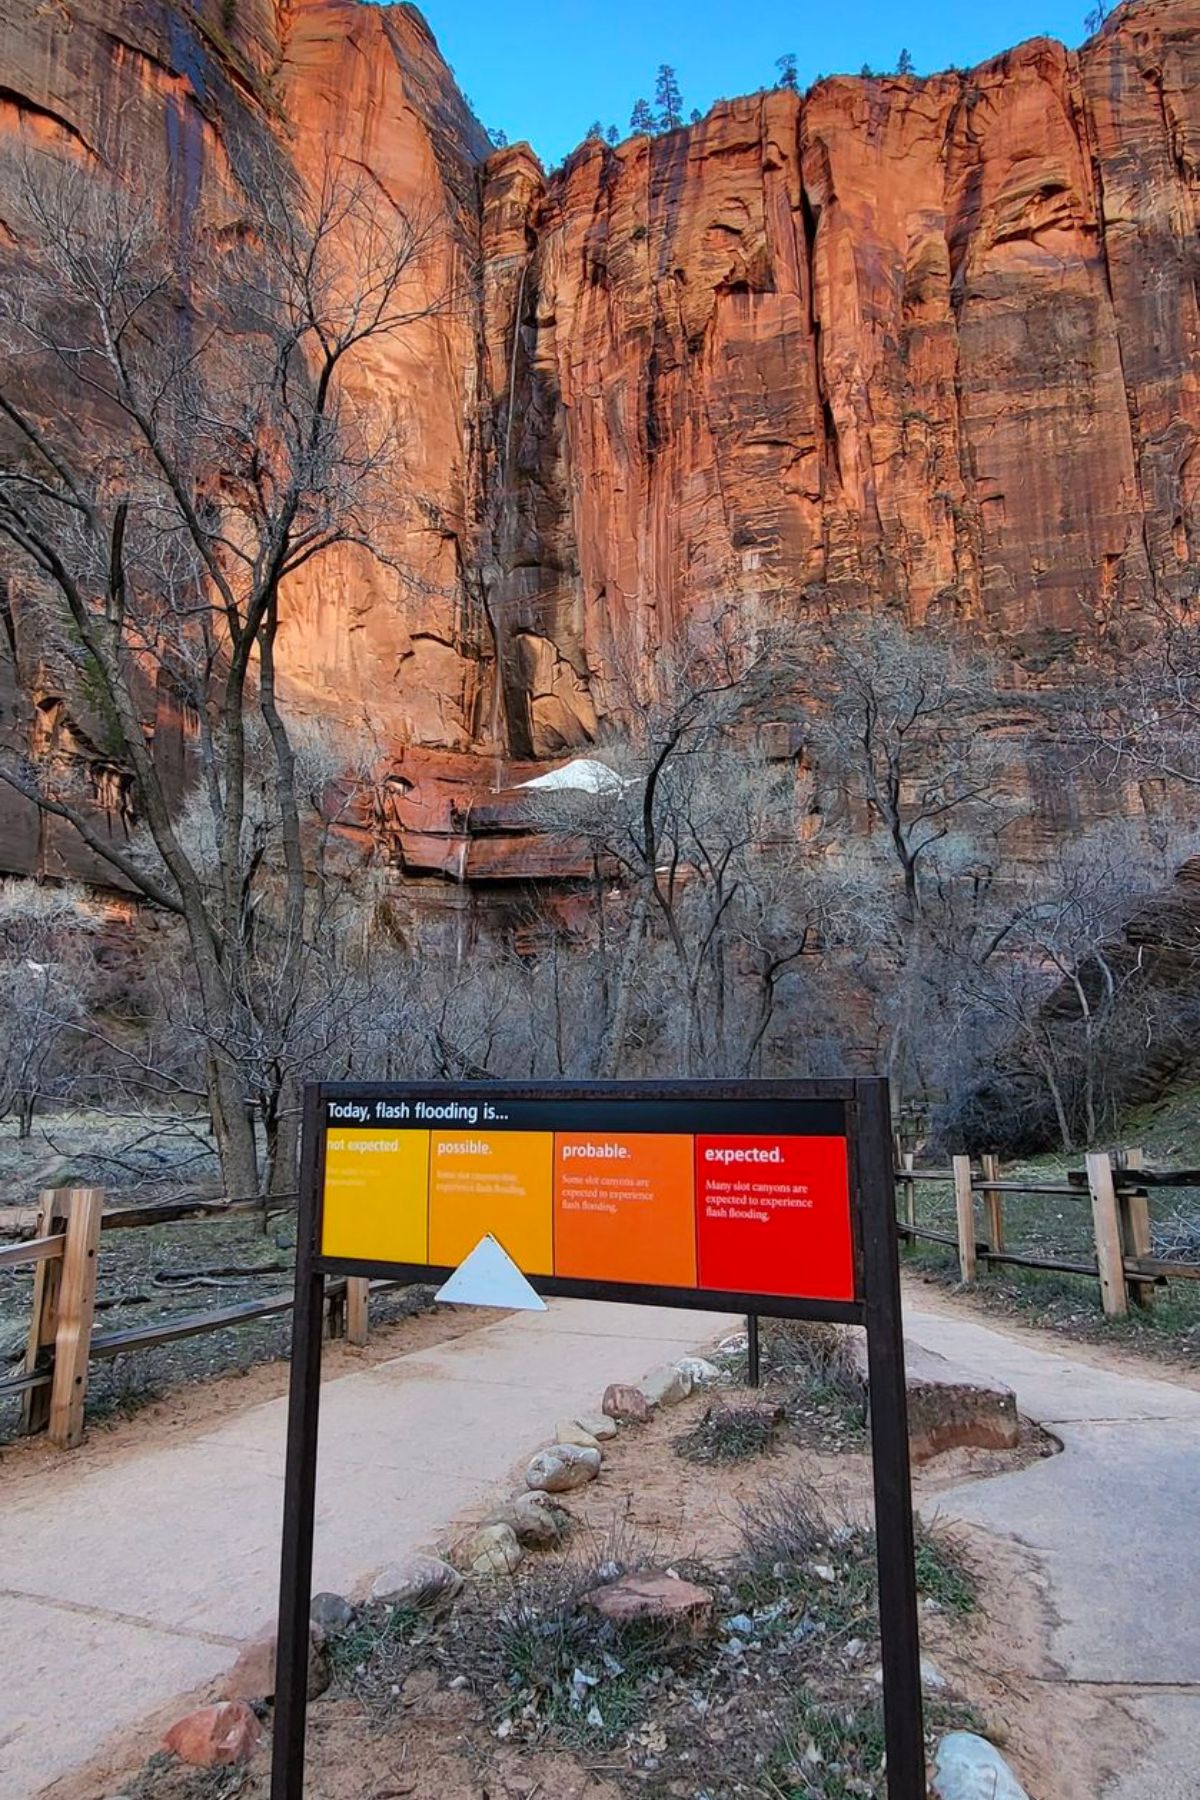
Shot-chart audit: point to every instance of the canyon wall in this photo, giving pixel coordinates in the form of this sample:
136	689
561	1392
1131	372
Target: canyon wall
926	343
931	343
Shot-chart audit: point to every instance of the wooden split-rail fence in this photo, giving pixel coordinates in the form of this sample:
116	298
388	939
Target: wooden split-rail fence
65	1256
62	1344
1117	1190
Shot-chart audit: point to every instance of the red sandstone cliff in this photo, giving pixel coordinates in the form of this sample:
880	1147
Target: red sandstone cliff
934	342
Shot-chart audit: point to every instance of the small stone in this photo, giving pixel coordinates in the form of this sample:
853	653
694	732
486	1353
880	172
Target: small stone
597	1425
931	1676
538	1522
568	1431
331	1614
418	1581
682	1605
742	1623
561	1468
969	1768
667	1386
625	1402
824	1572
252	1677
492	1550
702	1372
215	1737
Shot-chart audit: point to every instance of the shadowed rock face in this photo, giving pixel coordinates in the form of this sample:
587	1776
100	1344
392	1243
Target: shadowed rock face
935	342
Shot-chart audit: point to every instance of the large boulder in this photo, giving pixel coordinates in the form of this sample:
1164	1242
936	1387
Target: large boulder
948	1408
969	1768
561	1468
214	1737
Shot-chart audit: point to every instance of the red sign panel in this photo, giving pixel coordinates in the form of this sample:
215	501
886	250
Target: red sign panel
773	1216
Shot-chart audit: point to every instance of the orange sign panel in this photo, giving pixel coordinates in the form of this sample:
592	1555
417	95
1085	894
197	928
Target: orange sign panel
623	1208
492	1181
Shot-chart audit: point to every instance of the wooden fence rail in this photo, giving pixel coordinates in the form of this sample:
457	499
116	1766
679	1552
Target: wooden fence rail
61	1344
1117	1190
65	1258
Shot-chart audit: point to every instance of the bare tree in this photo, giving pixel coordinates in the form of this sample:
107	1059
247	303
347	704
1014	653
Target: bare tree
1055	989
174	447
704	895
1144	724
906	733
45	945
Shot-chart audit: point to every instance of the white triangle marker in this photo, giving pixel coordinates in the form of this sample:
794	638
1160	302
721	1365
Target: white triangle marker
490	1277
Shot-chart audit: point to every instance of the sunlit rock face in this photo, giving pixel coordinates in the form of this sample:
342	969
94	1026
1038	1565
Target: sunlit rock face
929	343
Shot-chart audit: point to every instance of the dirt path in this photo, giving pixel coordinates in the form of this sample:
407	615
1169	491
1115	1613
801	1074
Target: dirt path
129	1578
1112	1524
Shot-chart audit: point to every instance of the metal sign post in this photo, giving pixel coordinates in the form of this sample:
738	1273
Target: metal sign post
771	1198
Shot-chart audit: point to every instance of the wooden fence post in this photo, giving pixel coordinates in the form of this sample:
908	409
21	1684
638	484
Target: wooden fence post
910	1190
76	1309
964	1201
358	1309
47	1279
1135	1231
993	1203
1106	1220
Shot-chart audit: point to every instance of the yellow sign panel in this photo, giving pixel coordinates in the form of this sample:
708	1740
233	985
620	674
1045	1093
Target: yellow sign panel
492	1181
377	1196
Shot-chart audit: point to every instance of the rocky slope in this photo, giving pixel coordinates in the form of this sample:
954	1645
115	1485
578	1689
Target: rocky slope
933	342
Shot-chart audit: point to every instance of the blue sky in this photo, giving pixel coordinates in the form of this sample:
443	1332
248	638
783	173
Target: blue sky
544	69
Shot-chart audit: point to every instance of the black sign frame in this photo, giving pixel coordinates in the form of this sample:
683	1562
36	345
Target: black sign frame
865	1113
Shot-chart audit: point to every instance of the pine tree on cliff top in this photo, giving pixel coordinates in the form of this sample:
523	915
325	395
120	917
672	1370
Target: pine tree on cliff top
905	64
613	135
788	77
641	119
668	99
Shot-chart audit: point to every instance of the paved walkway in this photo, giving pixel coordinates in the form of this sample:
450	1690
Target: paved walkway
141	1579
1115	1523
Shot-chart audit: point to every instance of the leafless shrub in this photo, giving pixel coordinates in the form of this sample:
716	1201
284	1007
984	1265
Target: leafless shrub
782	1524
